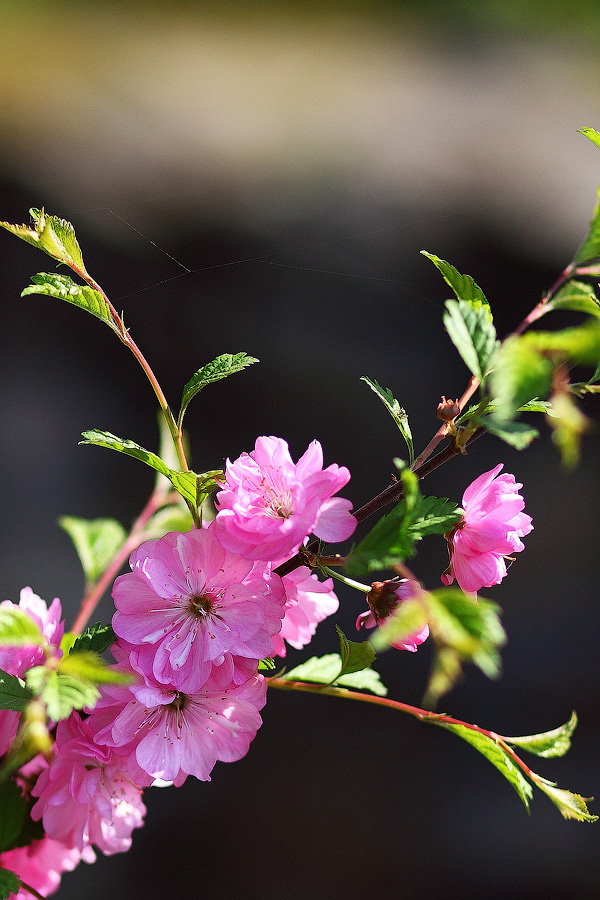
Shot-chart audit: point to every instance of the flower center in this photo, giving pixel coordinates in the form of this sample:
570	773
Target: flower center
201	605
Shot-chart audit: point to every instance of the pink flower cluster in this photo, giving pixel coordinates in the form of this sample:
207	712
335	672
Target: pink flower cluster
490	531
194	616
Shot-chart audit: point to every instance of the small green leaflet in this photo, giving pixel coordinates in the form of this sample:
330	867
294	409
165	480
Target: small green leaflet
355	655
97	638
12	814
86	665
393	537
13	693
266	665
549	743
590	248
17	629
580	345
61	693
571	806
54	236
219	368
64	288
496	755
463	285
518	434
473	334
9	884
577	296
325	670
397	413
193	488
520	375
96	541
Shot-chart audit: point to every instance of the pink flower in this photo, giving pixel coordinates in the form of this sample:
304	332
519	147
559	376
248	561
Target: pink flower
309	601
189	606
383	598
17	660
41	864
269	504
86	795
490	531
169	734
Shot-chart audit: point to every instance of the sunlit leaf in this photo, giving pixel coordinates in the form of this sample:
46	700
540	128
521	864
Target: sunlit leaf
548	743
51	284
576	296
473	335
53	235
13	693
325	670
219	368
463	285
571	806
97	638
356	655
18	629
61	693
87	665
96	542
397	413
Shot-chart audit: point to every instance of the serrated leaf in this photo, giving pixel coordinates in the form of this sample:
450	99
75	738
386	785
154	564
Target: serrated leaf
18	629
96	542
590	248
12	813
51	284
89	666
520	375
9	884
496	755
571	806
266	665
192	487
397	413
576	296
393	537
61	693
97	638
548	743
473	334
323	670
463	285
219	368
53	235
516	434
356	655
13	693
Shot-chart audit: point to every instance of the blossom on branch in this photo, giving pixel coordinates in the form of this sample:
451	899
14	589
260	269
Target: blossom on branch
490	530
269	504
385	597
41	864
190	606
308	602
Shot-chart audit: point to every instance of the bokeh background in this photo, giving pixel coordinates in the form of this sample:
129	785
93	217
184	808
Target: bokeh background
261	177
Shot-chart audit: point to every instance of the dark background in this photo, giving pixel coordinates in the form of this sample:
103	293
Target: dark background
296	159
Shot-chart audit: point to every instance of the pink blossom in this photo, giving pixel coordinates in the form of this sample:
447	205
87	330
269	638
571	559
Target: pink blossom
383	598
86	795
169	734
17	660
309	601
189	606
41	864
269	504
489	531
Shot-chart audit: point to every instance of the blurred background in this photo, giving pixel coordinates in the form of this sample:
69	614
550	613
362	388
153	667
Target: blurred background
261	177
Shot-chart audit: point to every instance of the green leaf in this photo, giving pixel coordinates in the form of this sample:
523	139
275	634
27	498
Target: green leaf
86	665
496	755
571	806
463	285
568	428
535	405
473	335
590	133
96	541
324	669
54	236
356	655
17	629
397	413
61	693
517	434
97	638
580	345
590	248
576	296
9	884
393	537
193	488
549	743
171	518
13	693
219	368
266	665
51	284
520	374
12	814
